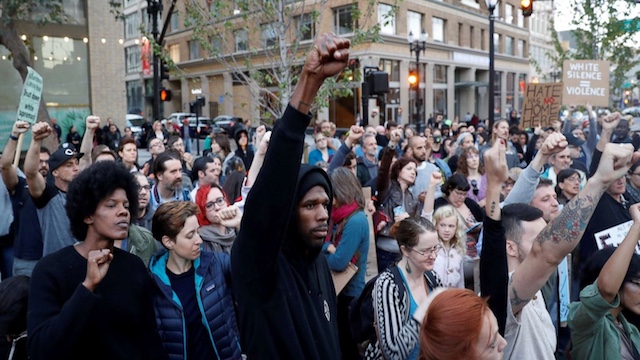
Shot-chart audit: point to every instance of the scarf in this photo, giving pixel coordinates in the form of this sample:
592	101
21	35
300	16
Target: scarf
340	216
213	239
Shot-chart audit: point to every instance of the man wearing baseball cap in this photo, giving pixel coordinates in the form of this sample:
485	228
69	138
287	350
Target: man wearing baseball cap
50	199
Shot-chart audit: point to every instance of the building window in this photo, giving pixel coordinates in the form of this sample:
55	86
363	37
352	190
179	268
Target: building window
132	26
344	19
521	48
391	67
268	35
440	101
134	97
414	23
437	32
483	43
241	40
174	53
460	42
520	18
439	74
132	59
472	35
496	42
511	84
508	14
216	46
387	19
508	45
497	91
306	26
194	50
175	21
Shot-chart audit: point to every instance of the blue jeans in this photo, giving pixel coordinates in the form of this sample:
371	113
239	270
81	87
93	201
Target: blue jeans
386	259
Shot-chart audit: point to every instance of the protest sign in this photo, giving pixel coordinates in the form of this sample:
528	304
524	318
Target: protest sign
30	98
541	104
614	236
585	81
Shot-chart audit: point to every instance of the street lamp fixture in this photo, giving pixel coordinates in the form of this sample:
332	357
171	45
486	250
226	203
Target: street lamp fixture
491	5
417	46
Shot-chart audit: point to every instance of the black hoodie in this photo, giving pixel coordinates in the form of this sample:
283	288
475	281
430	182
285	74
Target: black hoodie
247	154
286	299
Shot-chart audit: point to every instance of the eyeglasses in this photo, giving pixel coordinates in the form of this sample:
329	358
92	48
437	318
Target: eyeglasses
460	193
211	204
577	178
144	187
429	251
156	144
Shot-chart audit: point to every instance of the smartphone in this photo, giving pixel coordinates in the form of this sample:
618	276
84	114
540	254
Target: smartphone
398	210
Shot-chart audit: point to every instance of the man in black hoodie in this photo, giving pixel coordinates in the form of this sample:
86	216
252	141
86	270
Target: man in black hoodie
285	294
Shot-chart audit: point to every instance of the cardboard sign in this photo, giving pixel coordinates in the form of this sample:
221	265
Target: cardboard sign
541	104
614	236
30	98
585	81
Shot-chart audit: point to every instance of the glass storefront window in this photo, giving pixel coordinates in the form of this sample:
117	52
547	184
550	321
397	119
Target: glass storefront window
439	74
511	78
440	101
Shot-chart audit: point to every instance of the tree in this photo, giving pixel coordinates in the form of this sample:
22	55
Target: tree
16	13
262	43
605	29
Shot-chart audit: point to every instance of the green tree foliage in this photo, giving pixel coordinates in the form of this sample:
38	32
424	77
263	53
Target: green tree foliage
278	35
605	29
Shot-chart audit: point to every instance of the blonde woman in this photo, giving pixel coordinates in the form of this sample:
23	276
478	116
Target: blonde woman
451	234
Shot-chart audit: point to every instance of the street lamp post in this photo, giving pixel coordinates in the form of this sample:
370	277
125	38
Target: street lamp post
491	5
417	46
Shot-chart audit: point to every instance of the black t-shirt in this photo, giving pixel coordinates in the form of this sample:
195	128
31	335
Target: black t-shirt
198	342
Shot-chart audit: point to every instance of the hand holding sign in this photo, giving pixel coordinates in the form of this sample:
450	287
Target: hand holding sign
19	128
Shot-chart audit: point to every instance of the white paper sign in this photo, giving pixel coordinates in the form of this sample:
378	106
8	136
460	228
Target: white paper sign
30	98
613	236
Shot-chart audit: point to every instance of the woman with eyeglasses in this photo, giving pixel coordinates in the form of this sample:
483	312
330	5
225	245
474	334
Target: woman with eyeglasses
400	292
192	299
219	222
470	166
322	151
568	185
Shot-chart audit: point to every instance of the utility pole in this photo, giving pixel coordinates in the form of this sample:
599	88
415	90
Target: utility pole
154	11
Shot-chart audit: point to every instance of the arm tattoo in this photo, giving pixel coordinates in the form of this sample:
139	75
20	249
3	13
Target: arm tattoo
514	298
573	219
493	208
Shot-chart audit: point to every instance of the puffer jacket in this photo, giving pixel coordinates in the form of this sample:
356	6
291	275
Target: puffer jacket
212	282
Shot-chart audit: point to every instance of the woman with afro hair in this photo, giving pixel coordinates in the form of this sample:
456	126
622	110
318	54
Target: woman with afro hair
91	299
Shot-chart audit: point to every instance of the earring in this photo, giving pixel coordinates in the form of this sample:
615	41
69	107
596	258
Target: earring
407	267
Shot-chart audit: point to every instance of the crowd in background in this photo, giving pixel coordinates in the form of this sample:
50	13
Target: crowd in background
239	253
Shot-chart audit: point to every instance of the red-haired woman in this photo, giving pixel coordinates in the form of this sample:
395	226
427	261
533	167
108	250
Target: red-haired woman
460	325
218	221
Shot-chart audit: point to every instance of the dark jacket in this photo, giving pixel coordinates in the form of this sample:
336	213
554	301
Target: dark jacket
286	299
247	154
212	275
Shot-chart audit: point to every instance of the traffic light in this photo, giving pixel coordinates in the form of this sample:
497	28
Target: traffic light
164	71
527	7
413	79
165	94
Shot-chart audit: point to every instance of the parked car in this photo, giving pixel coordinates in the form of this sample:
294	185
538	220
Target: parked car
177	118
204	128
228	123
135	122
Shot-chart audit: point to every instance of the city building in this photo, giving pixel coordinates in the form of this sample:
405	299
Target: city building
81	64
453	70
542	68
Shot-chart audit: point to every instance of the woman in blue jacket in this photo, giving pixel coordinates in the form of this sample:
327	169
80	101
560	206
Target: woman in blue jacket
193	301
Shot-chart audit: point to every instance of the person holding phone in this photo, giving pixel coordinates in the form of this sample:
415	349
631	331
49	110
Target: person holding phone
395	199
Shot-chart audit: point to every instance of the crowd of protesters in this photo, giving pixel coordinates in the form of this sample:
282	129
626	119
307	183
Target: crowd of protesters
476	242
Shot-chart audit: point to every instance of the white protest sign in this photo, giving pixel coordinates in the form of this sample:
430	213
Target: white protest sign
30	98
585	81
614	235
